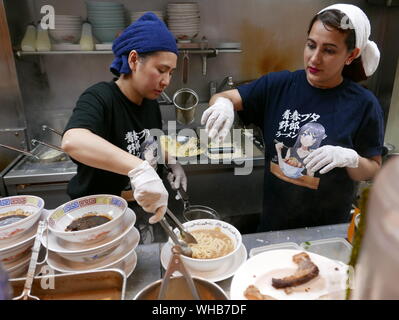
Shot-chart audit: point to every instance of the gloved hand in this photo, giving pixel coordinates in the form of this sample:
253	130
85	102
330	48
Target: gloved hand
218	118
177	177
149	191
329	157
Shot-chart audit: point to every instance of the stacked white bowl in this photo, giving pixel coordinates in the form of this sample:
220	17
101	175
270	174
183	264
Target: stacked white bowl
68	29
134	15
108	245
19	218
107	19
183	20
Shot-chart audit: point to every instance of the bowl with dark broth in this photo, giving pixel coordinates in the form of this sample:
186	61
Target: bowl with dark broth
88	219
17	215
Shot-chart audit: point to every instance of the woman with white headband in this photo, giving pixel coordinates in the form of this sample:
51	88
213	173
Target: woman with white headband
322	130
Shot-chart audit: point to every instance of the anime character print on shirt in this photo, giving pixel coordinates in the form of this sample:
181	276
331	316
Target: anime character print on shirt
143	145
288	164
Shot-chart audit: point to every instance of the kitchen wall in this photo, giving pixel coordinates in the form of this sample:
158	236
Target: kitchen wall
272	34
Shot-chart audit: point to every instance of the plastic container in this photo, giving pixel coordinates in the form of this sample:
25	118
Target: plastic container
86	40
283	245
29	41
333	248
42	41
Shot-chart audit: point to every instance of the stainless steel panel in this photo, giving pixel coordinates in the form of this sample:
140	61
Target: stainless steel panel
109	284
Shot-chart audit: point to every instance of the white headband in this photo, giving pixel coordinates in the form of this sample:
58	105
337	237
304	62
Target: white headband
370	55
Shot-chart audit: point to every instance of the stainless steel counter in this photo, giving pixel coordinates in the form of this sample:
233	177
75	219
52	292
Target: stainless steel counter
149	267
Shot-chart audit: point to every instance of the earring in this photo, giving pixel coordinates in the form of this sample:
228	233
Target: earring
348	62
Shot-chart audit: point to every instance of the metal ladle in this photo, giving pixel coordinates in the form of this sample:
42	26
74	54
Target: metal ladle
25	295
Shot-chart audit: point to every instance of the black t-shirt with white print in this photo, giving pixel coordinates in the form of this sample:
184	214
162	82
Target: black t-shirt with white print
107	112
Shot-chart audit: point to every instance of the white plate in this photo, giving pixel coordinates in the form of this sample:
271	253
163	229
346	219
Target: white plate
121	253
218	275
59	245
128	264
260	269
28	236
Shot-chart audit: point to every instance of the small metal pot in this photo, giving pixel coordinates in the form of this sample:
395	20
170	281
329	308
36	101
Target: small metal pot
194	212
179	290
185	101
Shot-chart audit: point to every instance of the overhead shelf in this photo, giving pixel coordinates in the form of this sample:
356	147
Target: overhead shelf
209	51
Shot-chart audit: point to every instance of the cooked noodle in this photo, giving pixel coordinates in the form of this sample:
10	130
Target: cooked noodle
212	243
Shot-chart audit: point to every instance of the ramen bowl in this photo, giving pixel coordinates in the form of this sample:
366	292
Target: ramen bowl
178	290
17	215
291	171
211	264
104	207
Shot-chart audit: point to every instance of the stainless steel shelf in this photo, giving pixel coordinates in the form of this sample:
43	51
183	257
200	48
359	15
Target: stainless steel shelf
214	51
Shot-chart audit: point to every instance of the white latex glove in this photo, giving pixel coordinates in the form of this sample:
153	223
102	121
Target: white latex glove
149	191
177	177
329	157
219	118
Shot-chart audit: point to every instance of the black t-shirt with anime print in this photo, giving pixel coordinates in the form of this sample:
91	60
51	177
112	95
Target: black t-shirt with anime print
106	111
297	118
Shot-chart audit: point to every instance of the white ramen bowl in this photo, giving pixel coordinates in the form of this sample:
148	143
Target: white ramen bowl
111	206
206	265
32	207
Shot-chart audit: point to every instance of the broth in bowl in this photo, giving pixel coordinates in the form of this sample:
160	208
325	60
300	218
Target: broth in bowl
211	244
12	216
89	220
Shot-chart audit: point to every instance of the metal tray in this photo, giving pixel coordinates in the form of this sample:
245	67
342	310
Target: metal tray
107	284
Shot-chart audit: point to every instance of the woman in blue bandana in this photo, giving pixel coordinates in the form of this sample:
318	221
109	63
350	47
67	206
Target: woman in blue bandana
108	134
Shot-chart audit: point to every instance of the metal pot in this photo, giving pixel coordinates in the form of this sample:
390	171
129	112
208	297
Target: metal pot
194	212
185	101
179	290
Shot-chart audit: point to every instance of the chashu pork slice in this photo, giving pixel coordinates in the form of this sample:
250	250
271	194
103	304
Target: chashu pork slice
306	271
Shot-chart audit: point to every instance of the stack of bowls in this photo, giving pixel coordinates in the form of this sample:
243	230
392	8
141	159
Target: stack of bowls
107	19
19	218
134	15
109	245
68	29
183	20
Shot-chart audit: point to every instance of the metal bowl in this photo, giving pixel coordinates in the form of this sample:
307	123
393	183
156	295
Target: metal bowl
195	212
178	290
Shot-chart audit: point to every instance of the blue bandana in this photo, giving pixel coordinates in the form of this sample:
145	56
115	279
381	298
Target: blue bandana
146	34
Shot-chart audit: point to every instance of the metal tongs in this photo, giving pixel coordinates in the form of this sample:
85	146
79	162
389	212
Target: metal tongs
176	264
186	236
25	295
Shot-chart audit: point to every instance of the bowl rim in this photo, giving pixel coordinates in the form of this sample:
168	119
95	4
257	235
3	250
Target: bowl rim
112	241
90	229
129	251
30	217
158	283
219	258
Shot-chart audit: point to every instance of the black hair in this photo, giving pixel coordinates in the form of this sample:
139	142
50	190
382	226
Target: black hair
145	55
333	19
